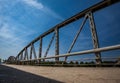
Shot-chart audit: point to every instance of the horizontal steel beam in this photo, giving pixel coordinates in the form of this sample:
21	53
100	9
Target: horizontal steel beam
93	58
94	8
115	47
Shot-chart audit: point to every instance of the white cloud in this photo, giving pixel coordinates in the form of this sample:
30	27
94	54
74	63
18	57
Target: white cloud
33	3
12	36
44	9
5	32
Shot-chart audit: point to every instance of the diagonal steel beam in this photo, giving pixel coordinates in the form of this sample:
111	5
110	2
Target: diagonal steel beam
32	50
80	29
49	45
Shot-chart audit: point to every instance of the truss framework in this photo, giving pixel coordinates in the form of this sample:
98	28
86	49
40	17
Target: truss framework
87	14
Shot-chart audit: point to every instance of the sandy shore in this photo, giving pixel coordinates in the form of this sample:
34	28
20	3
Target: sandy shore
74	74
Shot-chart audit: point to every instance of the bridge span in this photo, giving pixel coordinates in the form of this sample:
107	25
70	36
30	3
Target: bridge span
28	54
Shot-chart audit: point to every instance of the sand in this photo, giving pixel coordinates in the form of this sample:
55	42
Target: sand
74	74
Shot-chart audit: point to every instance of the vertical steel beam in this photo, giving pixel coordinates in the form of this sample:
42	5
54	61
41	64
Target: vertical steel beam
34	52
26	53
80	29
31	52
18	57
94	36
21	56
56	44
40	49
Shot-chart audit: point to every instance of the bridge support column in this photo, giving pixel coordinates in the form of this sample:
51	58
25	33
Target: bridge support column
21	56
94	37
56	44
40	50
32	50
26	53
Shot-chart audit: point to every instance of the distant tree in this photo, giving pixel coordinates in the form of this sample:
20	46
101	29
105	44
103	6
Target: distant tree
64	62
76	62
86	62
81	62
71	62
92	62
4	61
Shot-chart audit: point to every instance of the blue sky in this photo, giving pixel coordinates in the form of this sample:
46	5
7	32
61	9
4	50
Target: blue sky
23	20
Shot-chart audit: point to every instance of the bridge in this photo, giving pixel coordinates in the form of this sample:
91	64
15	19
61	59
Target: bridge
24	57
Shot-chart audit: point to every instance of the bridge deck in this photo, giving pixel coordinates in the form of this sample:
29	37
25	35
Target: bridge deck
37	74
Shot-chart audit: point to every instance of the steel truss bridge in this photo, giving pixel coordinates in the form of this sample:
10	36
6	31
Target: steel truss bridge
23	56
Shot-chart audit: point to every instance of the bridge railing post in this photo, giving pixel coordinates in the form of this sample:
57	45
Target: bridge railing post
26	53
40	50
31	51
21	56
56	44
